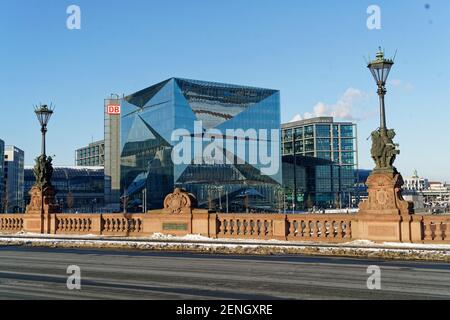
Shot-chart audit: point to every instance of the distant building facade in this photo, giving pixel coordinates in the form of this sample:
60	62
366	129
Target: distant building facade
112	112
415	183
2	174
92	155
331	181
13	196
79	189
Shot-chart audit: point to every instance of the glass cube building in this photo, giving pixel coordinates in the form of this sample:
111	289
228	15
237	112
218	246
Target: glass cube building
148	119
327	156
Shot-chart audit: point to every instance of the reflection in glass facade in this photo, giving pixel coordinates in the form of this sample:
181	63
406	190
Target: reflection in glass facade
148	120
330	182
78	189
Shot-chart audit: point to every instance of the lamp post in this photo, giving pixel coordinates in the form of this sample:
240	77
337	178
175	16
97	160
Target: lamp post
384	184
380	68
43	113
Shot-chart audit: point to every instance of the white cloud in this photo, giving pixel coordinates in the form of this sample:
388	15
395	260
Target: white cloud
297	117
344	108
403	85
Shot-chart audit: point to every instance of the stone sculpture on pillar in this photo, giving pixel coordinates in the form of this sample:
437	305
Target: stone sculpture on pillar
43	193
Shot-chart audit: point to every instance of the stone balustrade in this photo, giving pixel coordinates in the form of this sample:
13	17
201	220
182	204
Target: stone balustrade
246	226
179	218
11	223
435	229
291	227
320	228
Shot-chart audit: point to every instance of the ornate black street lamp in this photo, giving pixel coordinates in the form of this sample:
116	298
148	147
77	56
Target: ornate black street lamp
380	68
43	194
385	183
43	113
384	150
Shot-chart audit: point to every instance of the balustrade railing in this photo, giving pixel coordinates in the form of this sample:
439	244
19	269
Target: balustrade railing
429	229
11	223
245	226
320	228
435	229
74	223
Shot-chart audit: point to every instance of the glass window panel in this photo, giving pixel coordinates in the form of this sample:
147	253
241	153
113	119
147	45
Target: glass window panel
309	132
348	157
309	145
347	144
324	155
346	131
287	135
299	147
323	130
335	130
323	144
299	133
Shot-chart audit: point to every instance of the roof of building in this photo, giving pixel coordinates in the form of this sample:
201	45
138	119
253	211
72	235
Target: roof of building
316	120
69	171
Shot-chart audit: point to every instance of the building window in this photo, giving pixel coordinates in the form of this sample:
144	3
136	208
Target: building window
323	130
347	131
347	144
348	157
309	132
323	144
287	135
299	133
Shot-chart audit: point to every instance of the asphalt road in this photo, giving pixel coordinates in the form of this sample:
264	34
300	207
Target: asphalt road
41	273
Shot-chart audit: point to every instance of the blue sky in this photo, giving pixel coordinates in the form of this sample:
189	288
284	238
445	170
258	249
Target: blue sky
310	50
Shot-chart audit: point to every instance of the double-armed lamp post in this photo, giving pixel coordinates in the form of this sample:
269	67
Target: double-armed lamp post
43	113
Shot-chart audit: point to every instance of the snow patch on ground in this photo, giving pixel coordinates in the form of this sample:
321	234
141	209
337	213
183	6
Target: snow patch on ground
198	242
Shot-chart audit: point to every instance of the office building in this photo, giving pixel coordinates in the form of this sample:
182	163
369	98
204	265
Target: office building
2	175
92	155
237	182
329	179
13	196
78	189
112	152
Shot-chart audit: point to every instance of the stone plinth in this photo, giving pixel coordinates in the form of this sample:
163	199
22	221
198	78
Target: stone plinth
42	204
385	216
178	217
385	195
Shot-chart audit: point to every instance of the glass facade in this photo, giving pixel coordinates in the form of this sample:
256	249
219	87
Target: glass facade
149	117
332	182
13	199
77	189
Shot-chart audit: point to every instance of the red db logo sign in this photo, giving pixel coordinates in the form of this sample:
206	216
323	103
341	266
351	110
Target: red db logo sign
113	110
